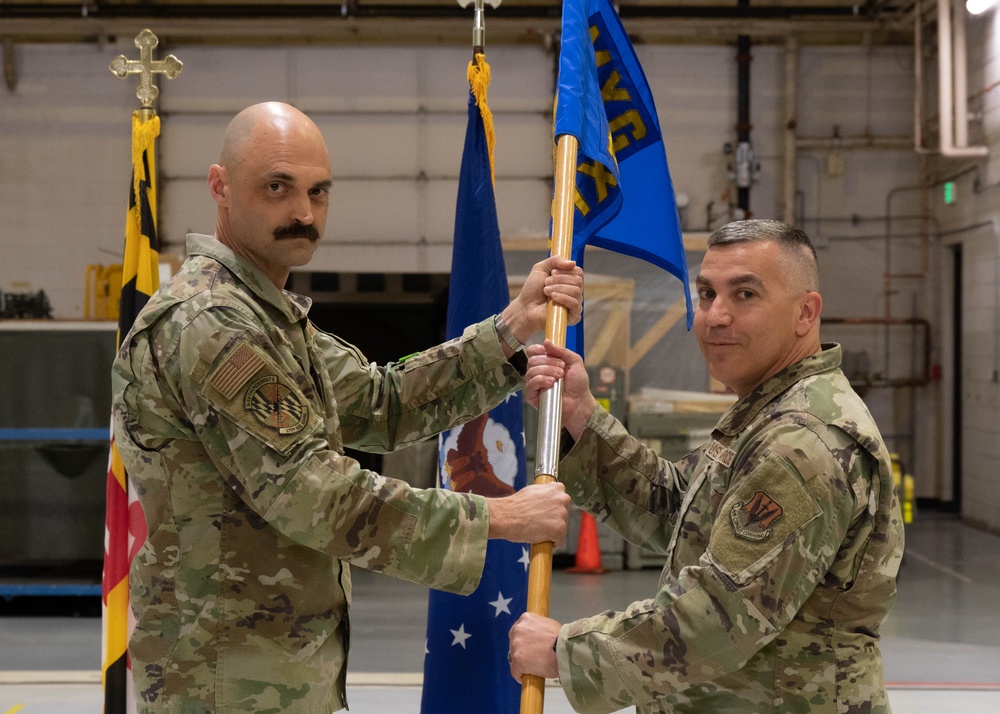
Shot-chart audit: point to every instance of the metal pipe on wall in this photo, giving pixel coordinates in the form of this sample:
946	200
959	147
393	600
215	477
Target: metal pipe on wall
952	74
917	377
744	153
961	74
918	77
845	143
791	122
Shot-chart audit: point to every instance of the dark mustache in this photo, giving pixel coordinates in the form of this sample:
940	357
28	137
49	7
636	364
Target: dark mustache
297	230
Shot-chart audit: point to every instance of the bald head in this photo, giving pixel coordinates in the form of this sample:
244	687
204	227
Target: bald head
272	186
264	124
798	257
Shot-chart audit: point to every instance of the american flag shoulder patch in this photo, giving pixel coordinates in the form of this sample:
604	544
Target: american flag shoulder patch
236	370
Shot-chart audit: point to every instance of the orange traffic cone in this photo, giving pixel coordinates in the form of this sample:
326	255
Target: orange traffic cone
588	550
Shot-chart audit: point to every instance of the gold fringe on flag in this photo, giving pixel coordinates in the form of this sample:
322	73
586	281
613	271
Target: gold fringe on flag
479	79
141	260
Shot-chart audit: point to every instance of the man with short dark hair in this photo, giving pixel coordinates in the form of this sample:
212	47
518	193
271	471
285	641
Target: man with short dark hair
782	534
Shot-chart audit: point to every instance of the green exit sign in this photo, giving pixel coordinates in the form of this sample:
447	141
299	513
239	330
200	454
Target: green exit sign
949	192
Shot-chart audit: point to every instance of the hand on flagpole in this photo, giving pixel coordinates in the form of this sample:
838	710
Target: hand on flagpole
535	514
548	363
531	646
554	278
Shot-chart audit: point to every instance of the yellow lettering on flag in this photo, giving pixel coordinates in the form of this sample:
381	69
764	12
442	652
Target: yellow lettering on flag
632	119
611	92
601	176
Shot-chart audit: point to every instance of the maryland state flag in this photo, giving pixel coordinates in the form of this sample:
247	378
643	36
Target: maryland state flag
465	664
624	196
125	525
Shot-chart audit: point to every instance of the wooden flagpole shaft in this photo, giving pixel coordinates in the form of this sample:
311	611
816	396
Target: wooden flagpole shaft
550	405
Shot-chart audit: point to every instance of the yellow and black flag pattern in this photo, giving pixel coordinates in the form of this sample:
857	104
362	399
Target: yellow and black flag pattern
125	526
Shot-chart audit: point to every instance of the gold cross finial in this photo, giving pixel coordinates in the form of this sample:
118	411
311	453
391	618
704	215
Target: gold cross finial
146	67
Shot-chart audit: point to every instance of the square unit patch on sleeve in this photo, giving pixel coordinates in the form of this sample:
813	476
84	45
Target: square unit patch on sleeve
762	511
259	396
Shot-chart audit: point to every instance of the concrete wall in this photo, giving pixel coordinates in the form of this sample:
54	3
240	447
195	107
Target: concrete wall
394	120
972	225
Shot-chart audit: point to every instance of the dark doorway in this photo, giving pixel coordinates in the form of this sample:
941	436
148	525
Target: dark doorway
956	383
384	332
387	317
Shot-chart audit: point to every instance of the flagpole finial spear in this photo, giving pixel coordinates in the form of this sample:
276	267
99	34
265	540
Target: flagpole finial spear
479	24
146	67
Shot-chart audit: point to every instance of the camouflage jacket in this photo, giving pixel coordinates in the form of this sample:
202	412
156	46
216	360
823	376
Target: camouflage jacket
231	411
782	538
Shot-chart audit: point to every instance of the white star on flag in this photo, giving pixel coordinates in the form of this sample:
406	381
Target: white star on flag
525	558
501	604
460	636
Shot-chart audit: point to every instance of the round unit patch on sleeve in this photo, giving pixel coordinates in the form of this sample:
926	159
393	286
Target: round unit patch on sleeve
274	405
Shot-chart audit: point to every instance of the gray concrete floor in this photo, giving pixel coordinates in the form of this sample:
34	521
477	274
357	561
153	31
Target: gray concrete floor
941	643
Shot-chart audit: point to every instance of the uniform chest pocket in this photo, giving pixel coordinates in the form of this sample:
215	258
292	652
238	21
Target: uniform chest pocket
696	518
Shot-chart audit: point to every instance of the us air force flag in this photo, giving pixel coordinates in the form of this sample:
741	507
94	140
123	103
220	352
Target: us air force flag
625	198
465	665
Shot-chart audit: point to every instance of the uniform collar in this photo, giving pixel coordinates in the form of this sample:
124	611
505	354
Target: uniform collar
295	307
745	410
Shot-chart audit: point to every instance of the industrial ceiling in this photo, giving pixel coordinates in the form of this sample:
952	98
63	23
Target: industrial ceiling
445	22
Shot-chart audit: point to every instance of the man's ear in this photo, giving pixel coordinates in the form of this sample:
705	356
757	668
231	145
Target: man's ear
217	184
810	307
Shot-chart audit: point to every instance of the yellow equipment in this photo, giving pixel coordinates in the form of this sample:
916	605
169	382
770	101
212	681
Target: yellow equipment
904	489
103	292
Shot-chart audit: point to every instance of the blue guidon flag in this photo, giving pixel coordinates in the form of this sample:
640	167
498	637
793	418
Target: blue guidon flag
465	663
624	196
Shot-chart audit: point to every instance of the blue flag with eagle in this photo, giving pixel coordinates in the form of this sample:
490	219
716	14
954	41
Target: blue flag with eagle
624	196
465	662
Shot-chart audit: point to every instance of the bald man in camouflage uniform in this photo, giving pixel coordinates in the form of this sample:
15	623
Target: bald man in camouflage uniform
231	415
782	534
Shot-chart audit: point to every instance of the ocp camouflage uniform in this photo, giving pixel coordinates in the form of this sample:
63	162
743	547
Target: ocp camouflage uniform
783	538
231	413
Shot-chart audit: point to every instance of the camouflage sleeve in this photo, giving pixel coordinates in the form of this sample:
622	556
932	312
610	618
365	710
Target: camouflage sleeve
270	445
624	483
383	408
711	618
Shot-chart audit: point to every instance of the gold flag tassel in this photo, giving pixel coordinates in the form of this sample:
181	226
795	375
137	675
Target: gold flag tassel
479	80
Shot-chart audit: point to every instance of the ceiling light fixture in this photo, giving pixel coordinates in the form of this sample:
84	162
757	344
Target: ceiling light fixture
978	7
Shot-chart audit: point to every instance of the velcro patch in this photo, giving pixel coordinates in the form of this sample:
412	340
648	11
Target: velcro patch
759	518
754	520
258	396
238	368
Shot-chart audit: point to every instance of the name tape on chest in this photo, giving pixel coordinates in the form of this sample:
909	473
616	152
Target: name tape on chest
720	454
